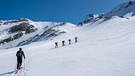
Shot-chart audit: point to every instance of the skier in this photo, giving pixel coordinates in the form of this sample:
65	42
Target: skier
56	44
63	43
69	41
19	55
76	39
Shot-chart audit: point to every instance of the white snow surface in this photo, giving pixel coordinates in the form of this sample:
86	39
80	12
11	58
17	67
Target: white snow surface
105	49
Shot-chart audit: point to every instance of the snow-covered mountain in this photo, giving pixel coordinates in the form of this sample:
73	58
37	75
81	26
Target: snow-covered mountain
23	31
124	10
105	47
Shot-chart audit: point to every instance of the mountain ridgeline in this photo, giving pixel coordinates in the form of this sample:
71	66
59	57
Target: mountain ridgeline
124	10
23	31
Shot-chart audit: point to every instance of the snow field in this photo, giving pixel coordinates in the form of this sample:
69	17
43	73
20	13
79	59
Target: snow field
105	49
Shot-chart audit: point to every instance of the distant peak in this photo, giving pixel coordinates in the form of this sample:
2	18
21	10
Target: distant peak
22	19
16	20
123	9
131	2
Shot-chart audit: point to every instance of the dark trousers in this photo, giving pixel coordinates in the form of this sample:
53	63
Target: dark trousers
19	63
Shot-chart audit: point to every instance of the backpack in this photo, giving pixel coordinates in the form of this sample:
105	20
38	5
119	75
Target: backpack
19	54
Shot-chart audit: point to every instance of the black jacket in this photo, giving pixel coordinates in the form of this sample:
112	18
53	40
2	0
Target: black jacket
19	54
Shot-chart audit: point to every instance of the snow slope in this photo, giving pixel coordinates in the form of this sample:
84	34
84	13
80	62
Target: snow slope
106	49
103	50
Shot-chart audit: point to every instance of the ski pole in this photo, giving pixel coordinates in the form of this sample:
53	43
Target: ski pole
24	63
24	68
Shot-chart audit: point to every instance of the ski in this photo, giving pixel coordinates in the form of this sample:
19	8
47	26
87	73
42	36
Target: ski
16	71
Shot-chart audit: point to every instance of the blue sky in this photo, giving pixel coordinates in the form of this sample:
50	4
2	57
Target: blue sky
72	11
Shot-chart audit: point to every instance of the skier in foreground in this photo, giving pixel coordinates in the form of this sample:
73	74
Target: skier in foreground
19	55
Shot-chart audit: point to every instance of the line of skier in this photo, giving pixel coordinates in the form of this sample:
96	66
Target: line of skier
20	54
63	42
